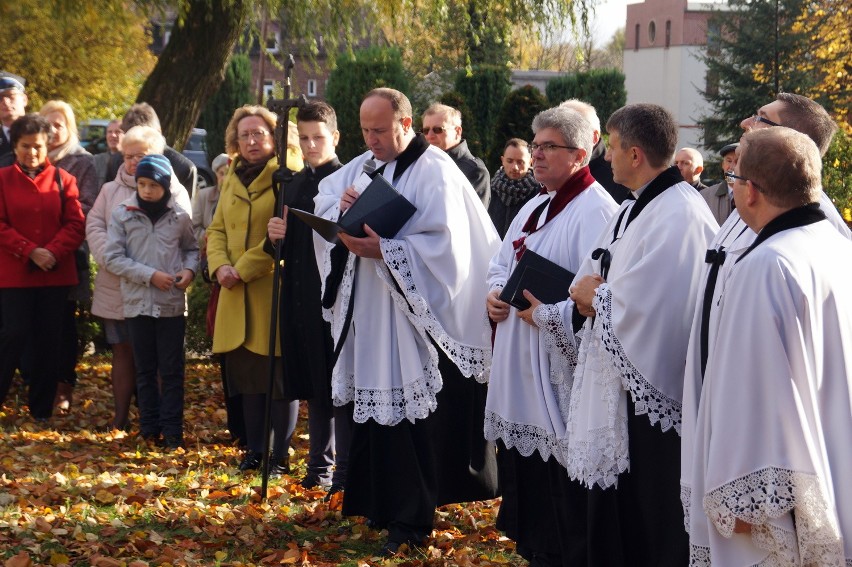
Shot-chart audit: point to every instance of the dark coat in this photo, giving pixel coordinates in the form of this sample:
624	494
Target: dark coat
602	172
474	169
306	344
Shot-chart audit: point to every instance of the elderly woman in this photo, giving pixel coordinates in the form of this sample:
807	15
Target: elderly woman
236	260
107	302
41	225
64	151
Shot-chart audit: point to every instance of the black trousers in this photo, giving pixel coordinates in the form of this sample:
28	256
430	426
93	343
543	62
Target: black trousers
32	324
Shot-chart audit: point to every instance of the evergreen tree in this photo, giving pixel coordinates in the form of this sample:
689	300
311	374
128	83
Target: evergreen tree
747	65
515	120
483	89
234	92
357	74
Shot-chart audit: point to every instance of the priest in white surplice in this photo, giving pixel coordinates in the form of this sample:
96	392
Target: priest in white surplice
523	408
415	341
770	450
732	240
631	308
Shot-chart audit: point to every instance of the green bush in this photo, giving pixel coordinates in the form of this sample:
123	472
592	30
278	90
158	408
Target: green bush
837	173
234	92
602	88
483	89
515	120
354	76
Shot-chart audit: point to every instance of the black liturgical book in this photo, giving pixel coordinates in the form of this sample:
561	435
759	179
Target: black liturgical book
380	206
547	281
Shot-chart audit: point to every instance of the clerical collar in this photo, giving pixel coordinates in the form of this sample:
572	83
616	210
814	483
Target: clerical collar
794	218
638	193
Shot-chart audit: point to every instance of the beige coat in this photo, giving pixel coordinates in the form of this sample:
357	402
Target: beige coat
235	238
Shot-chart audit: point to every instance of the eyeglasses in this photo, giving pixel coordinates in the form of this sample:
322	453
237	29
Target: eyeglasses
547	147
730	176
256	135
438	130
134	157
758	118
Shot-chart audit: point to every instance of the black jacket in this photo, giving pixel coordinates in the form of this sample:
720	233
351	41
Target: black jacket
602	172
474	169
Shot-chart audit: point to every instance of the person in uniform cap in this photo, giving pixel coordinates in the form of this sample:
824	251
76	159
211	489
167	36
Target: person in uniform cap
13	102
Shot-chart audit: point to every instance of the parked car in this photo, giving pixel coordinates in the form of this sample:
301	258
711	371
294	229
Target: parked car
196	151
93	135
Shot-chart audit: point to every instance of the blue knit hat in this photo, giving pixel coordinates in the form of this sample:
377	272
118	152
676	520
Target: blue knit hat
157	168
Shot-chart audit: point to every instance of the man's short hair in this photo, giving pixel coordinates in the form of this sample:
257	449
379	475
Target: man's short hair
27	125
808	117
517	143
574	128
318	111
587	110
144	135
399	102
141	114
784	164
451	114
649	127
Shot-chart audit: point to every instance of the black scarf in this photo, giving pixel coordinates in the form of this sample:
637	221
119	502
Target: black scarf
248	172
155	209
514	191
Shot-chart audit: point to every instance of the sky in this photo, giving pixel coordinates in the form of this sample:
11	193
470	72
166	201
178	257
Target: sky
609	16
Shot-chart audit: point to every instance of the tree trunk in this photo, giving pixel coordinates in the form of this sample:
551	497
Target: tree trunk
193	64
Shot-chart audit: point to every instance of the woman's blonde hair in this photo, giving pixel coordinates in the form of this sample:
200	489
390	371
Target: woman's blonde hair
153	140
232	146
67	112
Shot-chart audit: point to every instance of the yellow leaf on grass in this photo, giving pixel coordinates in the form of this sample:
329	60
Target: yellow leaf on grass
104	497
59	559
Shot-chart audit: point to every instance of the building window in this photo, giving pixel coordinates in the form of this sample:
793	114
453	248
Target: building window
312	87
636	38
268	86
668	33
272	43
652	32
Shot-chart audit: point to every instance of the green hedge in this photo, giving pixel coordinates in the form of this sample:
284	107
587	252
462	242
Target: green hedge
602	88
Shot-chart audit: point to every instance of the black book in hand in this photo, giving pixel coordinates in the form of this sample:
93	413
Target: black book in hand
546	280
380	206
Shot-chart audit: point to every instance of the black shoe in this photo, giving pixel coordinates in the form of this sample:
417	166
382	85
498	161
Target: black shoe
278	466
334	489
148	437
251	461
172	442
390	548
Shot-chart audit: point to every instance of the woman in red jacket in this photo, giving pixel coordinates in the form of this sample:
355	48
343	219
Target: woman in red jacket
41	224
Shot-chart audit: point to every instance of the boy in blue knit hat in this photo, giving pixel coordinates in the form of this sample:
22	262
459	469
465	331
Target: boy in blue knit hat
151	246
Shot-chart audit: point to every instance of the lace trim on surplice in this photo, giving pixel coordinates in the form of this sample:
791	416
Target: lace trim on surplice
524	437
471	361
646	398
597	456
771	493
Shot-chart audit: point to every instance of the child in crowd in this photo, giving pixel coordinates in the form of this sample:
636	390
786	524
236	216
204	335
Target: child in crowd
151	247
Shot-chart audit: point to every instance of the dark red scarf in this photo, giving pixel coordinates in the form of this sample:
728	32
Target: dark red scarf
575	185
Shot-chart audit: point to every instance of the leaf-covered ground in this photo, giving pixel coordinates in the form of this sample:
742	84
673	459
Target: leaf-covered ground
73	493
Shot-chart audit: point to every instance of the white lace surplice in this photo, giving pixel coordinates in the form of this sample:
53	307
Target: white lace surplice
530	380
437	266
771	444
638	339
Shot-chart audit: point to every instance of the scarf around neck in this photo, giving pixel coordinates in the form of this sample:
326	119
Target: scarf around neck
514	191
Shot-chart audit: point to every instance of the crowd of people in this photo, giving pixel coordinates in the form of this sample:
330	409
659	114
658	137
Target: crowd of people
684	402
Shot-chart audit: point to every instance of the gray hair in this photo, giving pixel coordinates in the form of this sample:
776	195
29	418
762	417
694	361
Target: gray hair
451	114
151	138
587	110
571	125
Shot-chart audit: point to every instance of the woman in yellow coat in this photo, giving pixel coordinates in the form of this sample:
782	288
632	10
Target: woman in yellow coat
237	261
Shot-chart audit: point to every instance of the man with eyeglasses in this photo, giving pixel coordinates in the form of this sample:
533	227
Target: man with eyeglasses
410	328
766	434
626	325
442	126
530	381
13	104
